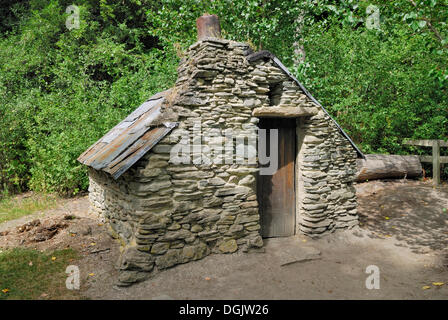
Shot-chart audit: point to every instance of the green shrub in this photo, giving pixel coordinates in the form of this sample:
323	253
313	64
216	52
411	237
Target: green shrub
379	88
61	90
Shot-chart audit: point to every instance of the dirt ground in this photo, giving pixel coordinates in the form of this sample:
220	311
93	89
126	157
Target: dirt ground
403	231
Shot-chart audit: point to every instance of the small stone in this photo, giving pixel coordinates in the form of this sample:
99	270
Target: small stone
315	206
174	226
194	252
216	181
256	242
139	187
175	235
233	179
211	202
196	228
144	248
232	191
169	259
253	227
247	181
236	228
228	246
160	248
249	204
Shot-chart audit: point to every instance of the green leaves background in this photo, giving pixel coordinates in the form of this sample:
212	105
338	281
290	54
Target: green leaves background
61	90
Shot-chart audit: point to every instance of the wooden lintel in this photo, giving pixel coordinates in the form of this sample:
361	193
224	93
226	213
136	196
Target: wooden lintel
284	112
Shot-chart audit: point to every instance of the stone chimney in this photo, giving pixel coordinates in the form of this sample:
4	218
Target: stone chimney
208	27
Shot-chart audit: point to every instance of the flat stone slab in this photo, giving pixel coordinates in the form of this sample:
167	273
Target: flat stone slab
284	112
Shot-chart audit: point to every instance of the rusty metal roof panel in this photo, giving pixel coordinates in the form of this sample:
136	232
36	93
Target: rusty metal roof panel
129	140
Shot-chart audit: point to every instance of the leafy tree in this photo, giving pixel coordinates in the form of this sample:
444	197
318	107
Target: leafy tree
380	68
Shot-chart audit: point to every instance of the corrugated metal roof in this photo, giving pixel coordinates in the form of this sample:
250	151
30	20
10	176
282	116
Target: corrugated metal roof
129	140
266	54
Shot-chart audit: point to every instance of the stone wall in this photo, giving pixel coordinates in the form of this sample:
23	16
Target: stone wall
167	213
326	174
326	161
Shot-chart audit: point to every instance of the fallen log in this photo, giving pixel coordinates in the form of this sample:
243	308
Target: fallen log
383	166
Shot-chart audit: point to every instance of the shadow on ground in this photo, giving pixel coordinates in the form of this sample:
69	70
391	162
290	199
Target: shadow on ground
414	213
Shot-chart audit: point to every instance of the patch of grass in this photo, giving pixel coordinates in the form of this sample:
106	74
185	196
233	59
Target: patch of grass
31	274
13	208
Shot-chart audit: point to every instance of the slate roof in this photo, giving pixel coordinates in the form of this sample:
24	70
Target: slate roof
129	140
266	54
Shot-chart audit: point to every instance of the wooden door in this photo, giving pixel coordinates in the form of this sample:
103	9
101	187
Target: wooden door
276	193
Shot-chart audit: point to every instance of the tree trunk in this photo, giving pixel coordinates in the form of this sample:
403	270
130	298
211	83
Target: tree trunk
381	166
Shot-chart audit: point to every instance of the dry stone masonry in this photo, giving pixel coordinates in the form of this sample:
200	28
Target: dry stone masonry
165	213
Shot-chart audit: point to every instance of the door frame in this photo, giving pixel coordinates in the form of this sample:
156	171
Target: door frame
300	136
297	144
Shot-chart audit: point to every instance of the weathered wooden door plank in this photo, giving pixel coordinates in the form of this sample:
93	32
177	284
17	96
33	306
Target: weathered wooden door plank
277	191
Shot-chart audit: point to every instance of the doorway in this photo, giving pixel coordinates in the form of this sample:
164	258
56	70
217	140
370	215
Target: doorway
276	193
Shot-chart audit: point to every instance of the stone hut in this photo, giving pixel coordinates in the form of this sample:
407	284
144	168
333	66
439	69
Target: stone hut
236	151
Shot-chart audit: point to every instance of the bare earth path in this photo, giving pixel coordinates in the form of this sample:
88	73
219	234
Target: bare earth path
404	232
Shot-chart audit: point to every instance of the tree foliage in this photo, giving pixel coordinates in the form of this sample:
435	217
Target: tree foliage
62	89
